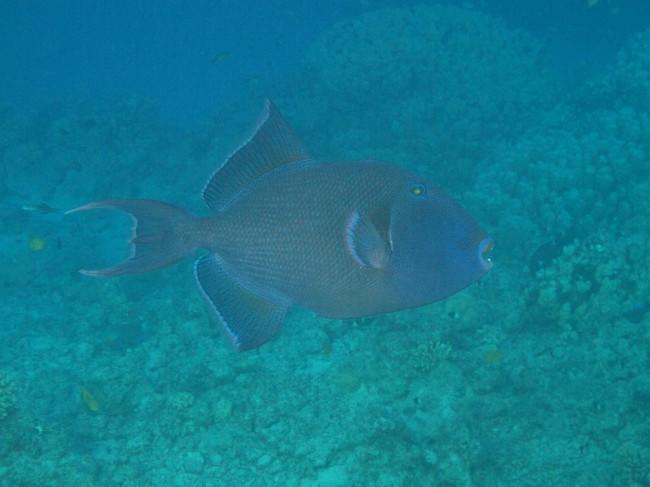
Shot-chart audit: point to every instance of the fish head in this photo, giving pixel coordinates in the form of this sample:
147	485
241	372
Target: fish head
437	248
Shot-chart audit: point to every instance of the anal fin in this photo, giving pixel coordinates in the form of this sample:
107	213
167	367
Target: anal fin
247	319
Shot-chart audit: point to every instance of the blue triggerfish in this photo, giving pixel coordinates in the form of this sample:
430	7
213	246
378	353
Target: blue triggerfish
344	239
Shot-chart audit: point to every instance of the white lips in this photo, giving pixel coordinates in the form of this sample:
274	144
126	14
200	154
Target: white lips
484	248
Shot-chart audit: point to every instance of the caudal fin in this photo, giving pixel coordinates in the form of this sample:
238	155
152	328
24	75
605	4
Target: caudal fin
161	235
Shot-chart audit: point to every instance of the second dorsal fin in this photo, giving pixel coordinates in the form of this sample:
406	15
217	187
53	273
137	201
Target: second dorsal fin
271	145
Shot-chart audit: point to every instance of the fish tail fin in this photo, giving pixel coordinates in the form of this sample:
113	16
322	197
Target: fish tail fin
162	235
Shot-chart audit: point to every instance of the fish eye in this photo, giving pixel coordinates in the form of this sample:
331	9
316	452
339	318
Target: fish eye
418	190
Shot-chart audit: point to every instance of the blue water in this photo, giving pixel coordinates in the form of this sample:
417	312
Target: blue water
534	115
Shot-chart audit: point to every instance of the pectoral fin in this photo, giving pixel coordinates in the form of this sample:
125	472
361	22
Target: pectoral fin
365	243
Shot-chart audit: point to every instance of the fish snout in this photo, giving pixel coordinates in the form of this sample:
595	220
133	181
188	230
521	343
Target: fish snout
484	248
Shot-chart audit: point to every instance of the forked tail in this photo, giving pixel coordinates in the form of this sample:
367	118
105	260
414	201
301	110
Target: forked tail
162	235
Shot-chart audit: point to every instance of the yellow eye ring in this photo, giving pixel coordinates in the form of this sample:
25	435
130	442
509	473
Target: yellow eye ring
417	190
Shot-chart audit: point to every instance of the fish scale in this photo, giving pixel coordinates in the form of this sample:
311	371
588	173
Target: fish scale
258	231
344	239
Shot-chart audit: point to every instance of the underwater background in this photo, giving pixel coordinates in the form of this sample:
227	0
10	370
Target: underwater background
535	115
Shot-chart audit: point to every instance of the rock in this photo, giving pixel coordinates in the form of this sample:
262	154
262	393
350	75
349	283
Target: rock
333	476
193	462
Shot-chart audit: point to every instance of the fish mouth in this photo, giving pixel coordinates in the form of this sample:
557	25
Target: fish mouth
484	248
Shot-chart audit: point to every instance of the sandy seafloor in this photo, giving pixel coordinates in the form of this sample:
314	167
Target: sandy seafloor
536	376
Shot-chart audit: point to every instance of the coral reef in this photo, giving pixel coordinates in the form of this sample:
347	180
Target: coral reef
633	462
60	161
7	395
582	280
535	376
434	86
627	85
429	355
577	170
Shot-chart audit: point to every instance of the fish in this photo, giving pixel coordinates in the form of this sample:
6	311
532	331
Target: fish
637	312
88	400
344	239
36	244
219	57
41	207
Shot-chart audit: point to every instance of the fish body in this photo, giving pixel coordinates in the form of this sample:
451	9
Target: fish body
344	239
319	234
41	207
637	312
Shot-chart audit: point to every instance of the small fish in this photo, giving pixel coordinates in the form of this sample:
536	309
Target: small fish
344	239
36	244
219	57
88	400
254	80
493	357
41	207
637	312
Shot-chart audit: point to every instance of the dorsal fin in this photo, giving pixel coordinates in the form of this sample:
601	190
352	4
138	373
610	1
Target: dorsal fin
271	145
